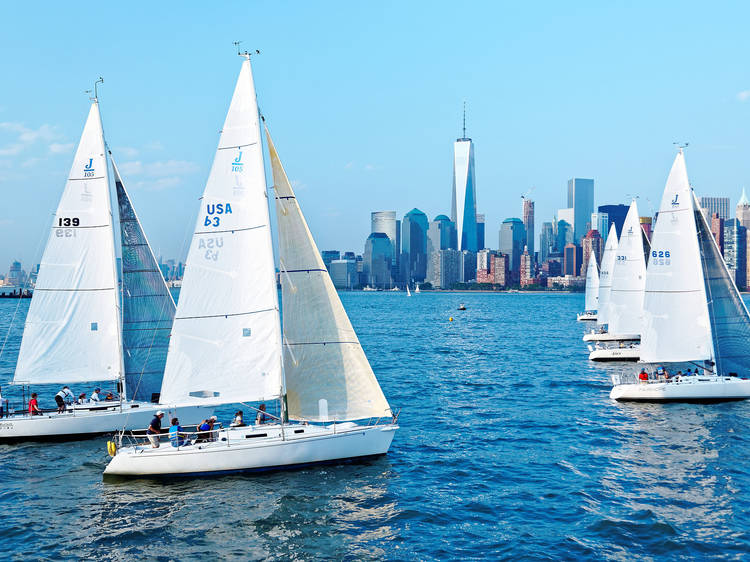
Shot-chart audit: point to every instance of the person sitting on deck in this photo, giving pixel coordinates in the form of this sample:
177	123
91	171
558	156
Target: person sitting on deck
176	436
34	406
237	421
643	376
262	417
154	429
206	430
109	397
81	398
95	395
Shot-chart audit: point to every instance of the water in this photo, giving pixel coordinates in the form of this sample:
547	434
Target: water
509	447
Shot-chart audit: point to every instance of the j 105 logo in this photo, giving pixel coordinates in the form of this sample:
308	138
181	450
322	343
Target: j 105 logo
674	201
88	169
237	163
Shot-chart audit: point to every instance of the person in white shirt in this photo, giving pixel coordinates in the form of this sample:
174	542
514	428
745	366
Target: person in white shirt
95	395
81	398
65	396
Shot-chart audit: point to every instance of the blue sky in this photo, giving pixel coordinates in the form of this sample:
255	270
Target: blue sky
364	102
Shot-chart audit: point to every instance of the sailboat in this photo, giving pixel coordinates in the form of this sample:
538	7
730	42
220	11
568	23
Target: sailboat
75	330
408	292
591	299
416	287
605	285
227	343
693	312
625	306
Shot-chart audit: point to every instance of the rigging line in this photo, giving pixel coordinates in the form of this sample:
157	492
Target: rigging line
25	287
232	230
224	315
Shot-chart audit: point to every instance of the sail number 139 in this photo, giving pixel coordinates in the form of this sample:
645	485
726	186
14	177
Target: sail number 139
67	221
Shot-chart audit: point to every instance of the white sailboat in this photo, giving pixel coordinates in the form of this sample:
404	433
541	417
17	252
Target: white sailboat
693	312
416	287
73	332
591	302
626	295
605	285
227	342
408	292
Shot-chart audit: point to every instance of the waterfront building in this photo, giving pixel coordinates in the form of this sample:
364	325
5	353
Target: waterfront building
414	227
528	223
16	275
600	223
480	231
377	260
344	273
464	201
467	267
572	255
443	268
592	245
566	282
564	235
717	229
742	214
581	200
386	222
512	240
483	260
527	277
616	215
553	266
496	269
646	226
735	250
718	205
546	241
440	234
329	256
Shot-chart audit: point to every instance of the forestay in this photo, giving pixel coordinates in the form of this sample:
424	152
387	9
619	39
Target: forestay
72	330
327	373
628	278
605	276
148	307
592	285
676	324
226	339
730	322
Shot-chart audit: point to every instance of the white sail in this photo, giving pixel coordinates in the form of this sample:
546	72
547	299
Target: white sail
628	278
605	276
226	339
592	285
327	374
72	331
676	325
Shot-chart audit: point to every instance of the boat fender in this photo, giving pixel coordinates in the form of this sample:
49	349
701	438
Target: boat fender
450	319
111	448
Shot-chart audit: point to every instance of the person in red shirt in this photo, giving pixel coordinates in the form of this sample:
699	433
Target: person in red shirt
34	406
643	376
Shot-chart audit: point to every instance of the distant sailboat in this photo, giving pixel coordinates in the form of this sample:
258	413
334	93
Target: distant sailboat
73	332
227	341
693	311
408	292
416	287
626	295
605	286
591	299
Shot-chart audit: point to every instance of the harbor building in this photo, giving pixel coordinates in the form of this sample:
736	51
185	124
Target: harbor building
527	269
492	267
512	242
344	273
443	268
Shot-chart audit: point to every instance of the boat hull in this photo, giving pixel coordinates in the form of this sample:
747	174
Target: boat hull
606	336
82	423
257	448
616	354
688	389
587	317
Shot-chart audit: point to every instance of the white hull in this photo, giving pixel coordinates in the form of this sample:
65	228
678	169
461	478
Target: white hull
255	448
587	317
687	389
83	421
616	354
606	336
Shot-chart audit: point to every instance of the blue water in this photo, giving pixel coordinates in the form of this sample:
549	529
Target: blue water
509	447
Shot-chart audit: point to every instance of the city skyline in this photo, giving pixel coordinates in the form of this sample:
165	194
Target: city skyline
165	91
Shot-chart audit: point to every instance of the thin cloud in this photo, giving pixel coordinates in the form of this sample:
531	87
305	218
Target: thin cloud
25	137
61	148
744	95
126	151
157	184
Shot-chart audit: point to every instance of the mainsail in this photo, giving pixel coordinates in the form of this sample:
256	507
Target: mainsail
676	322
148	308
605	276
592	285
730	322
628	278
226	339
72	330
327	373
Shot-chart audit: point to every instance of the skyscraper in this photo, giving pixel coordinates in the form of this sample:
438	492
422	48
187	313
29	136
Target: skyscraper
735	251
440	234
616	215
743	215
581	200
718	205
414	228
329	256
600	222
546	242
564	235
480	231
386	222
464	204
443	268
592	246
377	260
512	242
572	260
528	223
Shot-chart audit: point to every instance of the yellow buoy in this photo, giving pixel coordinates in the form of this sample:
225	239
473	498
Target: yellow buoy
111	448
450	319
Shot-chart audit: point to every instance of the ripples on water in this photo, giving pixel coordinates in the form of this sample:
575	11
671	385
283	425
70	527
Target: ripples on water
509	447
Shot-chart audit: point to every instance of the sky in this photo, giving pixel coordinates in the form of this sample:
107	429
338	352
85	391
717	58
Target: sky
364	102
